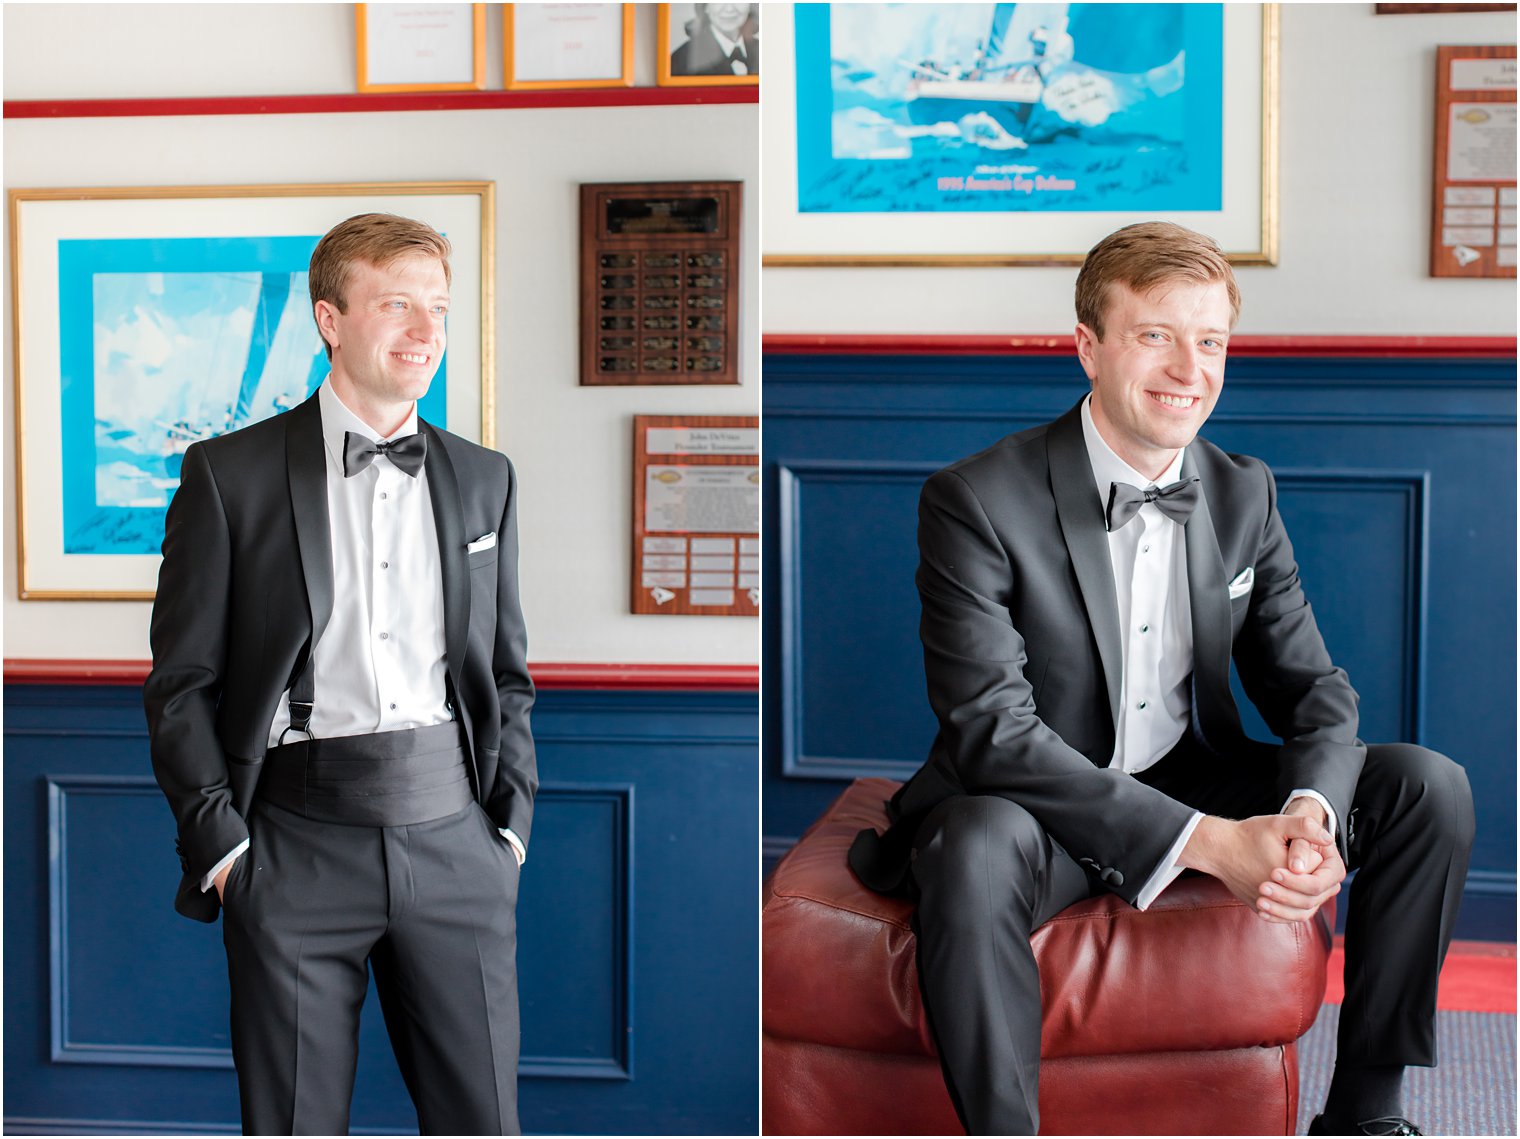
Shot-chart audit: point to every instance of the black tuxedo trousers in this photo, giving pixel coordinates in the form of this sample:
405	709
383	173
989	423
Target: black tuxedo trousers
431	908
987	875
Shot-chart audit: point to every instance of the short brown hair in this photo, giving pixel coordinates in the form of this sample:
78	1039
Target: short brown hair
1144	255
375	239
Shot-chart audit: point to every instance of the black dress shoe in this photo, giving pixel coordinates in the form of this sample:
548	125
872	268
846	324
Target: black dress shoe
1387	1125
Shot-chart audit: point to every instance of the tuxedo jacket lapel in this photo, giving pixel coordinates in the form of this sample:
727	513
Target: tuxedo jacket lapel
1081	513
1209	604
448	521
306	466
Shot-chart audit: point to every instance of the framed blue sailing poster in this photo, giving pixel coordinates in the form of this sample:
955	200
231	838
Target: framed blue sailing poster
146	320
912	133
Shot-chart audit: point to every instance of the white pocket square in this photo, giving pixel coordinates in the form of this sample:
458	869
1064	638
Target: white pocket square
1243	583
484	542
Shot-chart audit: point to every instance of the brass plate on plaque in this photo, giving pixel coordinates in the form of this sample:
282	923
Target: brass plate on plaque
661	260
696	515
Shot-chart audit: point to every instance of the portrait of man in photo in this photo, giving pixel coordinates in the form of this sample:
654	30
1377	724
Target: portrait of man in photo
715	39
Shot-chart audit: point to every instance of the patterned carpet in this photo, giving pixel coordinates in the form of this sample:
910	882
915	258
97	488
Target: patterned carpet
1471	1093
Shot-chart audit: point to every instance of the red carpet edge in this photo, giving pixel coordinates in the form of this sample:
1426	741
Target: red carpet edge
1479	976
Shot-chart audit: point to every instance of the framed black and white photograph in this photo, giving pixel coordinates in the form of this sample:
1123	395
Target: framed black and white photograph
704	45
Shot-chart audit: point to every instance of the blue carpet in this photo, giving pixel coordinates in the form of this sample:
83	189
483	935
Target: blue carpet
1472	1092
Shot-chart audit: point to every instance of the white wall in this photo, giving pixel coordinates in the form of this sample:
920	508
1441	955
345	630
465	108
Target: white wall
572	445
1357	131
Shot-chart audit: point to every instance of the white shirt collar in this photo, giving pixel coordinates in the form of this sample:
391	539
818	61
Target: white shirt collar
1108	467
338	418
727	44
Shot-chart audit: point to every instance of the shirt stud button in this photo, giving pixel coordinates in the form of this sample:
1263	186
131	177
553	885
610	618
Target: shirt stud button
385	636
1140	705
1143	549
393	707
1145	628
384	495
385	565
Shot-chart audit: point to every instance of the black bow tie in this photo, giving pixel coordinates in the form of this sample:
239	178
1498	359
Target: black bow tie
407	453
1176	501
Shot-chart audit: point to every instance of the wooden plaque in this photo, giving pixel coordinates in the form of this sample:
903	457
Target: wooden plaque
660	283
1472	232
696	514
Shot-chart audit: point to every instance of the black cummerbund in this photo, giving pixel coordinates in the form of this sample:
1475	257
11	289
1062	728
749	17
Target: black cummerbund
388	779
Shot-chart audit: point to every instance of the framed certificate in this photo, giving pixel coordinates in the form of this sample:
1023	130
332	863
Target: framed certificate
568	45
1472	232
696	515
421	47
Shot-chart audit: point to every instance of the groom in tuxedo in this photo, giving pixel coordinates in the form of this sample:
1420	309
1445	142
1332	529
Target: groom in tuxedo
1085	585
338	711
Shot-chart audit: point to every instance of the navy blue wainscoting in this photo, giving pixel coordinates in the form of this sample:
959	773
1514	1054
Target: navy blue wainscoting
1397	480
637	922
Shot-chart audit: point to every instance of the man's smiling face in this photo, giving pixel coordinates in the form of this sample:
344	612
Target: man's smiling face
389	342
1158	370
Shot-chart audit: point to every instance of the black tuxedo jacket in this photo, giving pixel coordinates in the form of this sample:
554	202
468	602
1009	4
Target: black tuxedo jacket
246	588
1022	653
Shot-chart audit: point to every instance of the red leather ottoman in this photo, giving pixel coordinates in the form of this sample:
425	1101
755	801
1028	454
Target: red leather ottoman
1179	1020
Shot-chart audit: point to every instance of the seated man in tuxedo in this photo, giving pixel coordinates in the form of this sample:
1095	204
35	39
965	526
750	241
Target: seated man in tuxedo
338	710
1085	585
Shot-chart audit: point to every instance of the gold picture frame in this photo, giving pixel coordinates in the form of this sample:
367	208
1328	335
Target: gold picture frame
1246	226
515	37
95	452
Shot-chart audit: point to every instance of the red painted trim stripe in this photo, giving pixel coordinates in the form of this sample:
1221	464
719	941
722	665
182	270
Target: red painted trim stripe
829	344
642	677
410	101
706	677
20	671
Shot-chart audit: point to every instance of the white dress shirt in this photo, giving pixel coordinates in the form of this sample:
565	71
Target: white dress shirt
379	664
1149	559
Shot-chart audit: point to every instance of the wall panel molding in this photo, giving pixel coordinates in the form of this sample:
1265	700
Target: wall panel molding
637	1003
1412	488
793	477
65	1048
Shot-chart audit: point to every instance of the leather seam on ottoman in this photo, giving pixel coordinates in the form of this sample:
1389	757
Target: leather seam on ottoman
836	906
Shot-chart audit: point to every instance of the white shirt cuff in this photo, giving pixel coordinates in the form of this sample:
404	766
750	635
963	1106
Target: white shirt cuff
1168	868
1305	793
515	843
210	879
